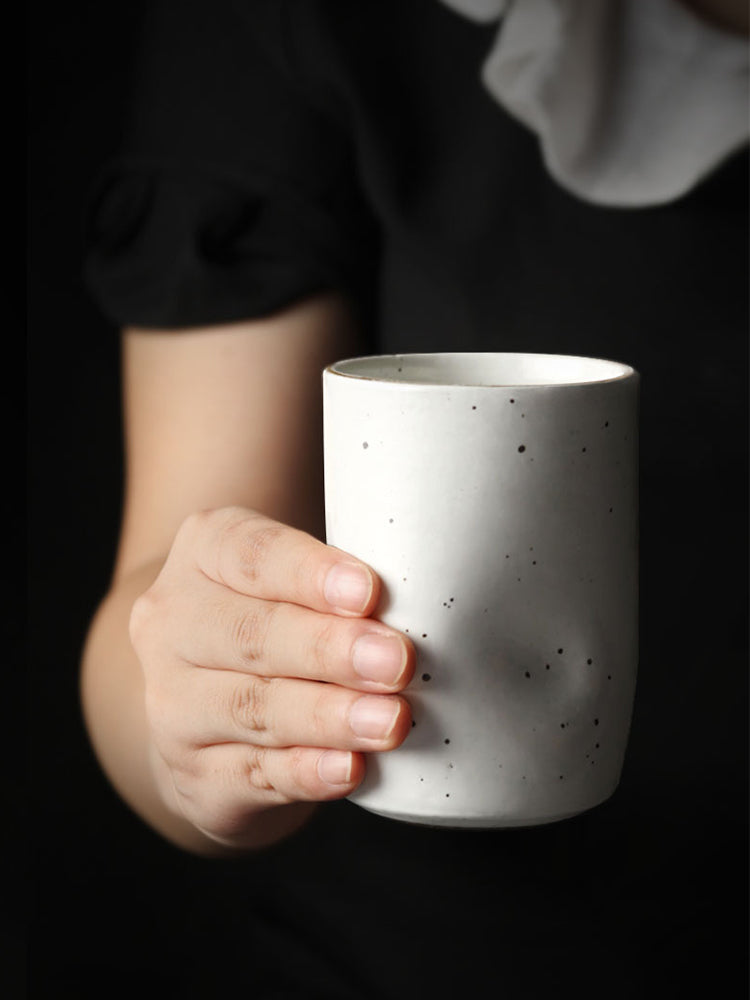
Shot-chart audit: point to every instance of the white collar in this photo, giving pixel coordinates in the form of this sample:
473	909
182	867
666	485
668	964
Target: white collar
634	101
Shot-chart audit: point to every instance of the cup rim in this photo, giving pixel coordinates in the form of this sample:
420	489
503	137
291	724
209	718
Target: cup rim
346	368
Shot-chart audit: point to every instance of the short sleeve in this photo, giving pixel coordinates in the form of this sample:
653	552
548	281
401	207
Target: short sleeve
233	195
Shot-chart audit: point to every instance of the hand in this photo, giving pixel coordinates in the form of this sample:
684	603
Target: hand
265	680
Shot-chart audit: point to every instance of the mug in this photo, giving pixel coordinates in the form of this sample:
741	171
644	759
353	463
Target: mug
496	497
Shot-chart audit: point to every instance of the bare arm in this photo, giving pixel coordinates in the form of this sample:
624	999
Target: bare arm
214	418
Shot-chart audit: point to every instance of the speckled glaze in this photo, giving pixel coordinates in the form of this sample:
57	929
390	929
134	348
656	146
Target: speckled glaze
496	496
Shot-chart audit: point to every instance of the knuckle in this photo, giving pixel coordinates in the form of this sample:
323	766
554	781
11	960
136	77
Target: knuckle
254	771
194	525
306	566
208	522
186	768
320	717
194	521
303	780
324	642
253	538
248	705
143	615
249	630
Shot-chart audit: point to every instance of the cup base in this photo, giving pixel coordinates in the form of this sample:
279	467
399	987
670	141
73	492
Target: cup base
474	822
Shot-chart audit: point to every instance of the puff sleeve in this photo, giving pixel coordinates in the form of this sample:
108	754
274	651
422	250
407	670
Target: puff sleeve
234	194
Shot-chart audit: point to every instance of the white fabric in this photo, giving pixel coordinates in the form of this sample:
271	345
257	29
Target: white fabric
634	101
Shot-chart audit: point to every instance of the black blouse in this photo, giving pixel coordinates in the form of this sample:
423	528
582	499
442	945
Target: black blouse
282	147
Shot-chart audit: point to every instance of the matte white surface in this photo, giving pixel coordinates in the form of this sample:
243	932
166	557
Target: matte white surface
503	523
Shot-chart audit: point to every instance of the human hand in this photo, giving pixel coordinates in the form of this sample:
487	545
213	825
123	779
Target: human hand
265	679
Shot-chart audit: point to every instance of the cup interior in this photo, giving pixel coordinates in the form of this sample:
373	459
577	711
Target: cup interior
483	369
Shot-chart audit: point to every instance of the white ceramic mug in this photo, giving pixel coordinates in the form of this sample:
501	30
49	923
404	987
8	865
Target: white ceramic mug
496	497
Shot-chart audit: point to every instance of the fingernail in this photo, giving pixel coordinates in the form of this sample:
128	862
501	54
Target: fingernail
379	658
373	717
348	587
335	767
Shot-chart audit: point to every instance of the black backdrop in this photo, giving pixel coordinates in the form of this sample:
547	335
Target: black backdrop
112	907
109	904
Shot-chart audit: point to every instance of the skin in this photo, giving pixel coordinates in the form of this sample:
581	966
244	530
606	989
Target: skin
234	675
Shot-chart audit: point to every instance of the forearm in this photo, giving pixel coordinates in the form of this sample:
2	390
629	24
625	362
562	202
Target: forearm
214	417
112	692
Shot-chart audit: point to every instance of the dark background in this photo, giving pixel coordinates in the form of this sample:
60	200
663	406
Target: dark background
109	903
112	908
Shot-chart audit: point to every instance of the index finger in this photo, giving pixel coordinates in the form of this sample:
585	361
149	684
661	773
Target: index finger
259	557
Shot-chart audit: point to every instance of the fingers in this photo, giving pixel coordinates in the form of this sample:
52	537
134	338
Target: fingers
230	631
301	681
225	707
229	784
259	557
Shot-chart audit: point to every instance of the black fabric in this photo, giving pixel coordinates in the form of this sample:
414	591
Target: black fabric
232	197
281	148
